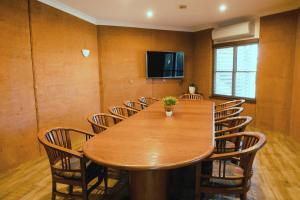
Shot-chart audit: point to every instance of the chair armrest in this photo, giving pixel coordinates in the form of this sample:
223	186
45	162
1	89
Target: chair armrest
95	124
140	103
226	130
136	109
82	132
119	116
143	105
114	116
131	109
224	104
70	152
229	136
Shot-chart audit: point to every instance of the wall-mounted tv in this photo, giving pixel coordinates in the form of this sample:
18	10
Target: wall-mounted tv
165	64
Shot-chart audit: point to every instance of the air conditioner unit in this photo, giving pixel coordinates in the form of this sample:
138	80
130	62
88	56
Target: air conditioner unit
233	32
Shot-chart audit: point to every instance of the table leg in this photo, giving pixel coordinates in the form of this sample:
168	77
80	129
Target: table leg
148	185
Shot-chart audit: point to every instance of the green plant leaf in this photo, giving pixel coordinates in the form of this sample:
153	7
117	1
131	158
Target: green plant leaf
169	101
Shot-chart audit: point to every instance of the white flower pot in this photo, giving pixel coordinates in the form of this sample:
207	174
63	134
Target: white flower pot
192	90
169	113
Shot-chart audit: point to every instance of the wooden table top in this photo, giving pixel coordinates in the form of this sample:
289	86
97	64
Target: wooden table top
150	140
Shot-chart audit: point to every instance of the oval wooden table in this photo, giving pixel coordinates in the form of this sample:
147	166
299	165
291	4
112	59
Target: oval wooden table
149	143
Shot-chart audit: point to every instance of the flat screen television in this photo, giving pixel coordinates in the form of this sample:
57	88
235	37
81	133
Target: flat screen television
165	64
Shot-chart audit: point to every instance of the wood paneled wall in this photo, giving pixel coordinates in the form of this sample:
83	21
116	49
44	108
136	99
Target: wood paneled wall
122	63
275	71
295	109
274	77
17	108
67	83
203	61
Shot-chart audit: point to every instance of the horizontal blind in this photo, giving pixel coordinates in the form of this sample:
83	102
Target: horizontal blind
240	78
223	71
245	85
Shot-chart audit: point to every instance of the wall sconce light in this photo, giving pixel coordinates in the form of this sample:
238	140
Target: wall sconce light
85	52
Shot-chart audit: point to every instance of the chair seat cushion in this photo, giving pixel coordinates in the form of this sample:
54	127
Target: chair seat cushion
68	175
74	165
92	170
231	170
230	145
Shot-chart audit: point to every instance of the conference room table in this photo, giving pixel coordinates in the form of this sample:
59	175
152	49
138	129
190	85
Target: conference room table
149	143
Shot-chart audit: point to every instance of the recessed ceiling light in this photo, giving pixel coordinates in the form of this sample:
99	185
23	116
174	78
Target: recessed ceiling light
222	8
149	13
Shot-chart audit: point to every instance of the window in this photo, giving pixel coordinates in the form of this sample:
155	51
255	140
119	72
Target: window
235	71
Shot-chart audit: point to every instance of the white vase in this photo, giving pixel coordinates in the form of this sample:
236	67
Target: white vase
192	90
169	113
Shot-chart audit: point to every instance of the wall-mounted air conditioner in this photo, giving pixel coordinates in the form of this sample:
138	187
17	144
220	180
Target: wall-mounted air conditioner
234	32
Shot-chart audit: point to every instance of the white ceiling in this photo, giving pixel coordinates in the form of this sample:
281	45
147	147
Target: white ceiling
199	14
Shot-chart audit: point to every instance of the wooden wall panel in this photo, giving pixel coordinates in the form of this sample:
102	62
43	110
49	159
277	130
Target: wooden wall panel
295	109
122	62
275	71
203	62
67	83
17	109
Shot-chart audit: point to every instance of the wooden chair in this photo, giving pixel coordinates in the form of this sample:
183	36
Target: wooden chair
147	100
231	125
122	112
230	104
192	96
101	121
69	166
227	113
229	173
135	105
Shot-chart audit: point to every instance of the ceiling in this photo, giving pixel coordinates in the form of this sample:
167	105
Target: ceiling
199	14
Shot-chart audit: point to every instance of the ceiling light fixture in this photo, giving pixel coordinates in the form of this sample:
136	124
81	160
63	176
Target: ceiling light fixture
222	8
149	13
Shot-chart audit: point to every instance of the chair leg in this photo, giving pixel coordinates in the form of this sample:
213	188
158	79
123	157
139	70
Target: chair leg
53	190
70	189
243	196
105	180
84	192
198	182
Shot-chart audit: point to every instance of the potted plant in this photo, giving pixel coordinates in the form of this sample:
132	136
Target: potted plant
169	103
192	88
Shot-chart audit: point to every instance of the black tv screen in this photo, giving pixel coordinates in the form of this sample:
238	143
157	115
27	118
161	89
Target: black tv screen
165	64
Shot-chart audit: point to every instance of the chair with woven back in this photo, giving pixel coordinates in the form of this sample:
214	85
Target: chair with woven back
230	104
192	96
134	105
229	172
147	100
122	111
69	166
227	113
101	121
